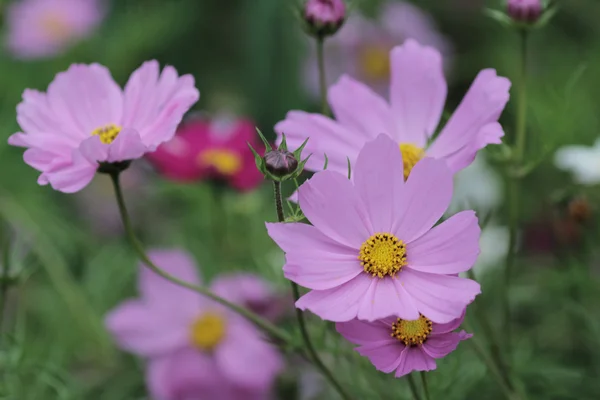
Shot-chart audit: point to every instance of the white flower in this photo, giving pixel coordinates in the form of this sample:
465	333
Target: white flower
582	161
478	186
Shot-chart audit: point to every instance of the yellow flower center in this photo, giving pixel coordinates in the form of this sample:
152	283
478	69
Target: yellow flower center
411	155
412	333
224	161
107	133
374	62
207	331
382	254
55	26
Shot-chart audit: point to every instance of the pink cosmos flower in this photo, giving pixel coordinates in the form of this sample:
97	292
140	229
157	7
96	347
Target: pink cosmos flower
45	28
417	95
362	46
372	251
196	349
211	149
85	120
394	344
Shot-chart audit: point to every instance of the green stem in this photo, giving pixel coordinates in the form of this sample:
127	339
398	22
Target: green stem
514	187
425	386
322	75
489	362
4	278
413	387
300	315
263	324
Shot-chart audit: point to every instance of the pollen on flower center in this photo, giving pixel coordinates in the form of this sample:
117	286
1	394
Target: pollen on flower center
107	133
383	254
412	333
411	155
207	331
55	26
224	161
375	62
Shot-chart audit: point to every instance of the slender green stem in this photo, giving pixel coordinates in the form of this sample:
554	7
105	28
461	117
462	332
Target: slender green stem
489	362
413	387
322	75
4	278
490	334
300	315
514	187
263	324
425	386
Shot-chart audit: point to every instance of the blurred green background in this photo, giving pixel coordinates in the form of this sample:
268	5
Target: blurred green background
247	57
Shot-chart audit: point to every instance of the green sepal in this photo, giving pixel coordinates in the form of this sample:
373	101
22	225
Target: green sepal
326	162
268	146
349	168
283	145
298	152
260	162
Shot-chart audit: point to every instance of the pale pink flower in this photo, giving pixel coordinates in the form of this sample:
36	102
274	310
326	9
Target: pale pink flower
411	117
45	28
399	346
85	119
196	348
362	46
372	250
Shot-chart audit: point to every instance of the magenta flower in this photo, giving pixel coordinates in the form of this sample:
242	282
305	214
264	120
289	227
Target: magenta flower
45	28
373	251
195	347
417	95
394	344
85	120
361	48
525	10
211	149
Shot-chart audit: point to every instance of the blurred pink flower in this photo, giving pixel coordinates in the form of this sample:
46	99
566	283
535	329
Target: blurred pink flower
417	96
85	119
372	250
252	292
325	11
525	10
362	46
396	345
211	149
196	348
44	28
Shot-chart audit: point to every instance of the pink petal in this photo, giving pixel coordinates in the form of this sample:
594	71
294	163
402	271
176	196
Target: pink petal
302	239
93	150
246	359
325	137
360	109
438	329
414	359
449	248
386	297
73	177
439	346
441	298
39	159
167	296
185	374
85	97
472	126
331	204
154	105
363	332
140	329
385	355
338	304
426	196
379	180
127	146
417	91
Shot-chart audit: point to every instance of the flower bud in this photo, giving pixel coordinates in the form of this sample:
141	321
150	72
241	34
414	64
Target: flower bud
280	162
527	11
324	17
